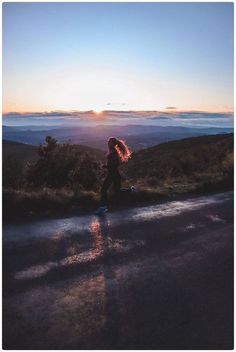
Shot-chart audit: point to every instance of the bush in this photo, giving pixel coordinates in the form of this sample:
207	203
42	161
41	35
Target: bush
61	165
86	174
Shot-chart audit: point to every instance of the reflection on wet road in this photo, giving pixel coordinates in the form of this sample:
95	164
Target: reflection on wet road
148	277
82	224
102	245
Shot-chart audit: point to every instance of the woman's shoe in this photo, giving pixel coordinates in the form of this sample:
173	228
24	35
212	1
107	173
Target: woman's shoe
133	189
101	210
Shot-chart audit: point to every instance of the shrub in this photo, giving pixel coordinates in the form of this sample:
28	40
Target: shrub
62	165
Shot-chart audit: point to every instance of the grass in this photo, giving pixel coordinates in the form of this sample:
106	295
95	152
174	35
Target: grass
192	162
20	204
46	201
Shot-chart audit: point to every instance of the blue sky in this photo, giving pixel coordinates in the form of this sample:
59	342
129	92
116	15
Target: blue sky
120	56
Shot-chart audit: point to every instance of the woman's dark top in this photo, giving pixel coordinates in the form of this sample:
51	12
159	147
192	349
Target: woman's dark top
112	161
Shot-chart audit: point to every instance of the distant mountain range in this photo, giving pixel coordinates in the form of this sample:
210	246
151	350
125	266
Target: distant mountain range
137	136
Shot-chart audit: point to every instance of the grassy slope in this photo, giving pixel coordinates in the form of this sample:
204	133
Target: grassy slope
17	150
191	160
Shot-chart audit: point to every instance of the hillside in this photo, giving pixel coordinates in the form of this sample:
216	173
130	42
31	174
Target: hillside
18	151
187	160
199	164
23	152
16	156
198	160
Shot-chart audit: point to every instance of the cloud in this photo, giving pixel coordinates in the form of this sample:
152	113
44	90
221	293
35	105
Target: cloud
38	114
77	118
123	113
203	115
171	108
193	115
159	118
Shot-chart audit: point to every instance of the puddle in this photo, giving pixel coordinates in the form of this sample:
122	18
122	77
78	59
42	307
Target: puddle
190	227
215	218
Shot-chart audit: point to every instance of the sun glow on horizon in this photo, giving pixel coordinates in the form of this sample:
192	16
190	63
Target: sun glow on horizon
97	111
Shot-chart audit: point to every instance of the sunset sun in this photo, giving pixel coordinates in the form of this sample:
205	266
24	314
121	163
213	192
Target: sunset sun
97	111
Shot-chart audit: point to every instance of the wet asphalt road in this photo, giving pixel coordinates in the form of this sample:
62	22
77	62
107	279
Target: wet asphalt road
155	277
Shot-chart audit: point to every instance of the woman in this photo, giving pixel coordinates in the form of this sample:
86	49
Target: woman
118	150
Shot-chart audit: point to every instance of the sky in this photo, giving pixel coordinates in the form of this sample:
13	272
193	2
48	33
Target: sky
117	56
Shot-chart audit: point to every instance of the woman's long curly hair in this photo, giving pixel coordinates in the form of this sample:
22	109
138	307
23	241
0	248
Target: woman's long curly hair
121	148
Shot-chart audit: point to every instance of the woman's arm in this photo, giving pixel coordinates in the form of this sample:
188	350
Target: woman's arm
112	161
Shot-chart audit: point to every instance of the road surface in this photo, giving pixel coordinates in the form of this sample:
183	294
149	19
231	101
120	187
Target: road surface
154	277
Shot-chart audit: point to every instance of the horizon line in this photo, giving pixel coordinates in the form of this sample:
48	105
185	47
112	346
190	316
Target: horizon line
100	112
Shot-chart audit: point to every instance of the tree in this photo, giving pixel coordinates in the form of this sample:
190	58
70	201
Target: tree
86	173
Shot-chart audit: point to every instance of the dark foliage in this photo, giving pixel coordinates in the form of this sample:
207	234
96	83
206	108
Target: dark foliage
61	165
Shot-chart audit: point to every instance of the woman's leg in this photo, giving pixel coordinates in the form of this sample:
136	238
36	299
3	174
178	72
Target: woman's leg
116	183
106	184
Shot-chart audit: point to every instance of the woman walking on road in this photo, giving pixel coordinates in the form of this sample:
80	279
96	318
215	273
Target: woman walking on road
118	151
